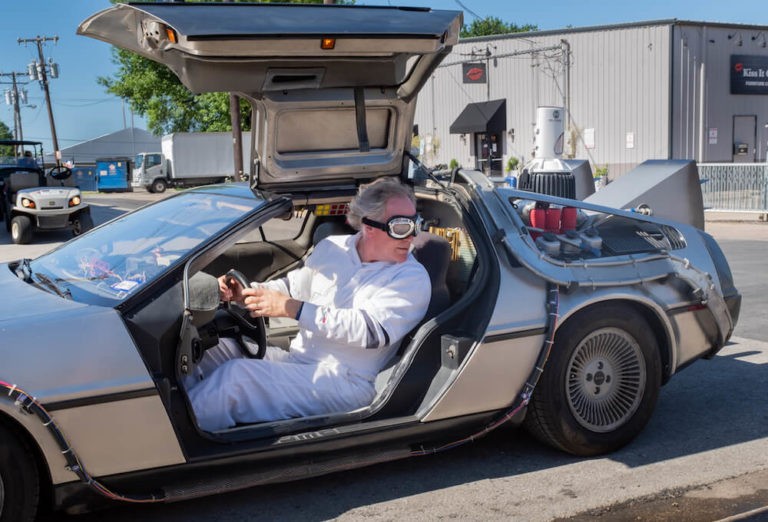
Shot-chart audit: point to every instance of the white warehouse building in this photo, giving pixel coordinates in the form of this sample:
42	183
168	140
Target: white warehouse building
665	89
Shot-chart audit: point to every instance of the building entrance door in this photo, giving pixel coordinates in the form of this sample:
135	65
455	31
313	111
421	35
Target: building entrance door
744	136
489	156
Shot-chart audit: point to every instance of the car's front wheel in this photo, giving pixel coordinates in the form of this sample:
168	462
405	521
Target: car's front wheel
19	487
21	230
82	224
158	186
601	383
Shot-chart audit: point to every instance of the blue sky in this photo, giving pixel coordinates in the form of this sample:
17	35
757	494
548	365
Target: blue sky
83	110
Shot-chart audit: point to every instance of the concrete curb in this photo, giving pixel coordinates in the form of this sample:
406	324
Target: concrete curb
725	215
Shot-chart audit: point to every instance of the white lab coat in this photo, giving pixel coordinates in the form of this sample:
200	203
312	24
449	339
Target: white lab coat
354	316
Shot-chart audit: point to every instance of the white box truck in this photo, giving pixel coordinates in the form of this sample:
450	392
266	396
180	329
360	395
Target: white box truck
187	159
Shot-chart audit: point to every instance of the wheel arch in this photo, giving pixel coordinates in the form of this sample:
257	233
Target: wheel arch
653	314
19	429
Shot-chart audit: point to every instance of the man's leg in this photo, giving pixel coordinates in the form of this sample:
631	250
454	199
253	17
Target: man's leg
250	390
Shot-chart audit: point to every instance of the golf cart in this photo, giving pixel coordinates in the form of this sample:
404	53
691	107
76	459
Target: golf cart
32	200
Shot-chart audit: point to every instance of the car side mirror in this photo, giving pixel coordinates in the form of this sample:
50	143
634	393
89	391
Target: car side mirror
203	298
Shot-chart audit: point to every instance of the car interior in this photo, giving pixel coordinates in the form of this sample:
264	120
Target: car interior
444	246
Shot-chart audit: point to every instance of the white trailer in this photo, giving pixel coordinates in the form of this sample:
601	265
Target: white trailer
187	159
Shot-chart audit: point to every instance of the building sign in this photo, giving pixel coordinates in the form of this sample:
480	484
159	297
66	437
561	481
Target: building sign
630	140
589	138
474	72
749	74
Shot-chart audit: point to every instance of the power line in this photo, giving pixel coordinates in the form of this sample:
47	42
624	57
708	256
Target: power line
467	9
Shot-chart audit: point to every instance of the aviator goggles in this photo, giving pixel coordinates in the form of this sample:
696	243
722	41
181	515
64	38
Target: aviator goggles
397	227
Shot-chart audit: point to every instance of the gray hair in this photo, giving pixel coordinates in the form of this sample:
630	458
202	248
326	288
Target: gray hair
371	200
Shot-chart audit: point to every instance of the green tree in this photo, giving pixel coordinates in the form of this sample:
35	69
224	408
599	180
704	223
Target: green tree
154	92
491	25
5	134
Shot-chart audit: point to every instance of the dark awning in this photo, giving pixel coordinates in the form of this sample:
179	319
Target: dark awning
490	116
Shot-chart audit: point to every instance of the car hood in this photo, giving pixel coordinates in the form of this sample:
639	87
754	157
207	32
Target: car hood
333	87
24	302
57	349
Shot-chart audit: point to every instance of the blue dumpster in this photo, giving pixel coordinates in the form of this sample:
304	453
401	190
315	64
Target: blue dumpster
114	174
85	178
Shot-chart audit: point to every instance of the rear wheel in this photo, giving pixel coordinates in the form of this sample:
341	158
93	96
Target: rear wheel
21	230
600	386
19	486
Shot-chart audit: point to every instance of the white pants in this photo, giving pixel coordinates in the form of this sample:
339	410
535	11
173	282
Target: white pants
231	389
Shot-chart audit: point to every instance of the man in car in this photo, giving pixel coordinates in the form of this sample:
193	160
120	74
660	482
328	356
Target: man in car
355	299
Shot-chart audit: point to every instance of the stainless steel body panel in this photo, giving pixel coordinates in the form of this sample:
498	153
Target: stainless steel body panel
639	281
77	351
123	436
80	362
489	380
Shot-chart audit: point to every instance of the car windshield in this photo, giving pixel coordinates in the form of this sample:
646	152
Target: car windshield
114	261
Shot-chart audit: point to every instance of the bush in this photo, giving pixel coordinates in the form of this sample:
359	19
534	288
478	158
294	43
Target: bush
453	164
512	163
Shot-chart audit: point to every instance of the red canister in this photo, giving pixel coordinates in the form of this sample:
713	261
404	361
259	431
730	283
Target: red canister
553	219
539	218
568	219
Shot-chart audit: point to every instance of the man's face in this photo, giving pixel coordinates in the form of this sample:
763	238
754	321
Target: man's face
383	247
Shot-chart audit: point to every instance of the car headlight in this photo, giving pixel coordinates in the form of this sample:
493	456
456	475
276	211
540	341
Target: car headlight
74	201
27	203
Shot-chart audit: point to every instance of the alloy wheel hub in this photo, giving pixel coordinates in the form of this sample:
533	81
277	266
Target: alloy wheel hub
605	379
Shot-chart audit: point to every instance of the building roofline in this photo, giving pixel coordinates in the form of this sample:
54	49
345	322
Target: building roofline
627	25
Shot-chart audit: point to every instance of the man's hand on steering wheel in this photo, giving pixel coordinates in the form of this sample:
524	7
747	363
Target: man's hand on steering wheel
231	286
270	303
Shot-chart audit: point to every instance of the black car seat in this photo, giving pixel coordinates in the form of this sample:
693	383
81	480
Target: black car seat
22	180
330	228
434	252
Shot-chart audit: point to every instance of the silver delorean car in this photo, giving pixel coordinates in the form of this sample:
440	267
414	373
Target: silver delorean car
562	315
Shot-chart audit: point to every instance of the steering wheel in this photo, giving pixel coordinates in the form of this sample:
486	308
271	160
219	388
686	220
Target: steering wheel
253	327
60	172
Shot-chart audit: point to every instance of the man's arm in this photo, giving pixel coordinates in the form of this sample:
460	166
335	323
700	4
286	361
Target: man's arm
389	313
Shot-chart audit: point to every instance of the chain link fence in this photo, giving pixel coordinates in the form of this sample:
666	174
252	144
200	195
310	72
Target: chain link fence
741	187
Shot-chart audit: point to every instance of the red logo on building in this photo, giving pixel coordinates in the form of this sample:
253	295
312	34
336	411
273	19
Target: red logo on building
475	73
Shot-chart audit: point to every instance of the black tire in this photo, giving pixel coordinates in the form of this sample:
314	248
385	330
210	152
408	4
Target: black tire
600	386
21	230
82	224
7	217
158	186
19	482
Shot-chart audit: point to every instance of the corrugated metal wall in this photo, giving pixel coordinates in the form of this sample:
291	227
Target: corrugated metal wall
704	108
635	92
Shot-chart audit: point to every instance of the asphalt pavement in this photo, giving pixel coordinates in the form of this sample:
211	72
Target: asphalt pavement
701	457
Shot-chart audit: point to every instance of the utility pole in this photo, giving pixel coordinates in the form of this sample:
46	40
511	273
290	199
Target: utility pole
487	73
38	71
13	97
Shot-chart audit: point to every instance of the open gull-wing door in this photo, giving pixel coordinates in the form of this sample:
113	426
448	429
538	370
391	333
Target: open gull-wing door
333	87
